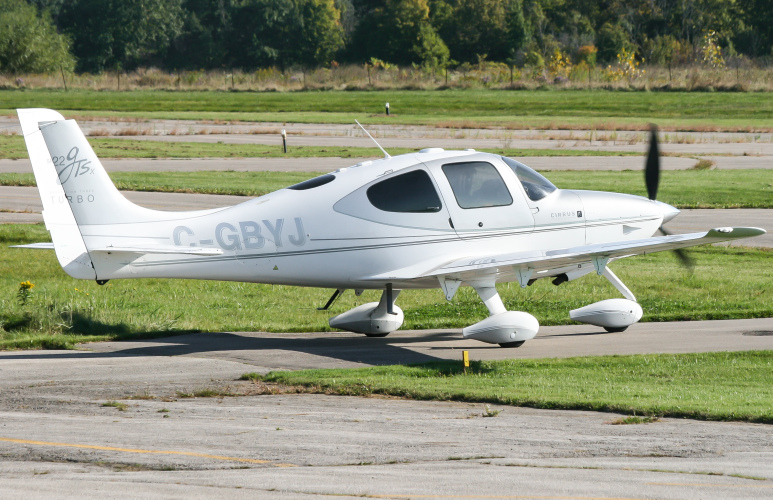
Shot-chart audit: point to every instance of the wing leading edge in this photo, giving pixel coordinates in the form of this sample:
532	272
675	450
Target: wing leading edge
524	265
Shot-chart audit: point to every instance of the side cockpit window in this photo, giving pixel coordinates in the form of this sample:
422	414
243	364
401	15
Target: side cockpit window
477	185
412	193
535	185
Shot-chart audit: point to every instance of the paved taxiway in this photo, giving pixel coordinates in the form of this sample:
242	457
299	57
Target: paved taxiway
289	351
417	136
57	440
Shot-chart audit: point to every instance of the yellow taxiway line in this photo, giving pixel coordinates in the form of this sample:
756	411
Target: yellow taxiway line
134	450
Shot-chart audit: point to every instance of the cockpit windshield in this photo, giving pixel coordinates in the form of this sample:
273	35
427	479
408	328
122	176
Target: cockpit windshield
535	185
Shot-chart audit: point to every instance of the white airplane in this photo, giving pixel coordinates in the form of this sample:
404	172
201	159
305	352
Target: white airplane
421	220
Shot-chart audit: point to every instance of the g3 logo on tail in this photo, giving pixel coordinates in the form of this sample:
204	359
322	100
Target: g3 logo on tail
70	166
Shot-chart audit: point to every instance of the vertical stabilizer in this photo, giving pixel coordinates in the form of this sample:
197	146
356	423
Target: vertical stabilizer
91	194
57	214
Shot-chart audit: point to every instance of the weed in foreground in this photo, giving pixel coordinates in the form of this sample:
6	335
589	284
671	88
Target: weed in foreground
207	393
703	164
25	292
488	412
143	395
116	404
633	420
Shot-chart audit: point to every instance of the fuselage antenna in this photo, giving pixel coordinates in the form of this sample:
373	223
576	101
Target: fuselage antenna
386	155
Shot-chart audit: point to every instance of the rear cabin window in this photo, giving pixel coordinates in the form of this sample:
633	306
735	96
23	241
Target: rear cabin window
535	185
411	193
477	185
312	183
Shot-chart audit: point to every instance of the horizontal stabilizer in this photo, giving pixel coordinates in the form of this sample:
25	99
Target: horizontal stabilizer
36	246
169	250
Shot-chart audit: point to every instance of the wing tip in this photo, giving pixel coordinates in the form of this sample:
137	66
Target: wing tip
736	232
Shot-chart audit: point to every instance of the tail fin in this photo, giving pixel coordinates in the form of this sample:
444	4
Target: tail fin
57	214
77	172
74	187
77	193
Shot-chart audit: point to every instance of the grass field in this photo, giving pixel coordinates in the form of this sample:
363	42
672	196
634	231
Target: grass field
681	188
727	283
597	109
12	147
712	386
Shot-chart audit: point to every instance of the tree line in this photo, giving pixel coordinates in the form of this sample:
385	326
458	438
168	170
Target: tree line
107	35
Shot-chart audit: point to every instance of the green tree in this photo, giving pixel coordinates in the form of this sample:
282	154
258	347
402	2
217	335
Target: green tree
397	31
756	36
477	27
285	33
431	49
29	43
50	7
121	33
206	28
611	40
319	34
518	29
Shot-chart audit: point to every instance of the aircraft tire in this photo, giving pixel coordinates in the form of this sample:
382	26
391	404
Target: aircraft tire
512	344
377	335
615	330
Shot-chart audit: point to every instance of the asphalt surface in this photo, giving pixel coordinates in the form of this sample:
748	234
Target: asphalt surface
57	440
350	135
464	140
286	351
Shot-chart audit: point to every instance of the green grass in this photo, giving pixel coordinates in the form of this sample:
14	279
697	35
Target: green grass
728	283
13	148
681	188
116	404
635	420
711	386
542	108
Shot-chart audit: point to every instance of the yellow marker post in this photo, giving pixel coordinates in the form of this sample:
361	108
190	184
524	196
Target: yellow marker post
466	360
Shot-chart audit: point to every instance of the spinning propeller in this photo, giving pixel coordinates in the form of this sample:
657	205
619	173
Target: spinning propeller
652	179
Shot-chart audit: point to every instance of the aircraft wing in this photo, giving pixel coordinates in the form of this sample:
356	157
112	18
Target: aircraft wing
155	249
501	266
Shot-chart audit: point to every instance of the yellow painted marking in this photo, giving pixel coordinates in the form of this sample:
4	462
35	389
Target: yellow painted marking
132	450
717	485
519	497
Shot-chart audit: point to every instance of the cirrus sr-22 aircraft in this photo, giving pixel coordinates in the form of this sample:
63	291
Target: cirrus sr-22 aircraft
429	219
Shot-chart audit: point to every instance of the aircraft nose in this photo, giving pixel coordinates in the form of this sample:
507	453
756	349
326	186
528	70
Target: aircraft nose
668	211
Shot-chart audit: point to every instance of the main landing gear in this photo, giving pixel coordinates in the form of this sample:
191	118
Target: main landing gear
374	319
379	319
